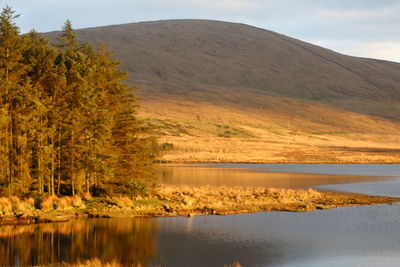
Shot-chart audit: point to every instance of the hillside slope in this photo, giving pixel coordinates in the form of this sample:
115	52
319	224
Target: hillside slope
278	98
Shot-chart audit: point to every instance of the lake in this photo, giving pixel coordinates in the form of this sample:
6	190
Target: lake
355	236
275	175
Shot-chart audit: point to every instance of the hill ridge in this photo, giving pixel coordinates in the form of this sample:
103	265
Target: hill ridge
215	79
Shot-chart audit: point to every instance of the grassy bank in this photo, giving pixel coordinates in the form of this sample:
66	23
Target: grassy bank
167	200
98	263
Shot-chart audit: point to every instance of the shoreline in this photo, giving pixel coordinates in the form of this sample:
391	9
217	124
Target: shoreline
179	200
279	162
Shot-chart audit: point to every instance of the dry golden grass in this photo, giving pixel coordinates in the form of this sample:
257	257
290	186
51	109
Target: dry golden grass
185	199
123	202
201	132
182	200
98	263
222	197
63	203
13	205
301	149
235	264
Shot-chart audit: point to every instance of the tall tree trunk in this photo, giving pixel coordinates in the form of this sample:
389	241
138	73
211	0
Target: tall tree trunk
11	156
52	164
59	161
7	155
40	157
8	127
73	162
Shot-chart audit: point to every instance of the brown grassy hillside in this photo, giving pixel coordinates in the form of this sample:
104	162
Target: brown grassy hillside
221	91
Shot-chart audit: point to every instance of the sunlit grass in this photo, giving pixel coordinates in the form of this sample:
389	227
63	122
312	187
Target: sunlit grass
179	200
13	205
98	263
285	132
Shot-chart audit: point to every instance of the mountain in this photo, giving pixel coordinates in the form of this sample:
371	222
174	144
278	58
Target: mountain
205	85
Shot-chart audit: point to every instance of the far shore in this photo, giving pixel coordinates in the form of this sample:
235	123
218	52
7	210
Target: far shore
301	150
180	200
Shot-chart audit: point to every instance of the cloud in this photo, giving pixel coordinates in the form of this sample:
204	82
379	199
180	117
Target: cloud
353	14
386	50
382	50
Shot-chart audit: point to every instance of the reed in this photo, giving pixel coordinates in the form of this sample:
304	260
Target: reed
13	205
61	203
98	263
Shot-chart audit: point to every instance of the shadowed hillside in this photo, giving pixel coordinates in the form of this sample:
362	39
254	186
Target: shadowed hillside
210	81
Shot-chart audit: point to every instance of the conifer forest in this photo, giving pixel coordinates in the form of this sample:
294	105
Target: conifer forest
68	122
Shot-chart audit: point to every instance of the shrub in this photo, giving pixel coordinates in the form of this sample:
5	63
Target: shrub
98	191
22	206
135	188
167	146
49	203
77	202
5	206
11	205
86	196
123	202
62	203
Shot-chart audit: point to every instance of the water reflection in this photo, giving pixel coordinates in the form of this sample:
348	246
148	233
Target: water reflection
340	237
366	236
211	175
355	236
128	241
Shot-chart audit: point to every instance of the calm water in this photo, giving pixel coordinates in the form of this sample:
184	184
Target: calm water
275	175
357	236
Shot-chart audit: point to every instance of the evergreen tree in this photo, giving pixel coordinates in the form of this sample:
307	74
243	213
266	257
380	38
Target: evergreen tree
68	122
13	87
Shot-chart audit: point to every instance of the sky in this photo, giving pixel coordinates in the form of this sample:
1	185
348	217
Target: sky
365	28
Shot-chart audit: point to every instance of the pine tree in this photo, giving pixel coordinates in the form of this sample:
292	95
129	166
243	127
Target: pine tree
67	120
45	79
12	93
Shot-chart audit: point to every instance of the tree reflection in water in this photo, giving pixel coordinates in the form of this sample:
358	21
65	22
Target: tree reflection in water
127	241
